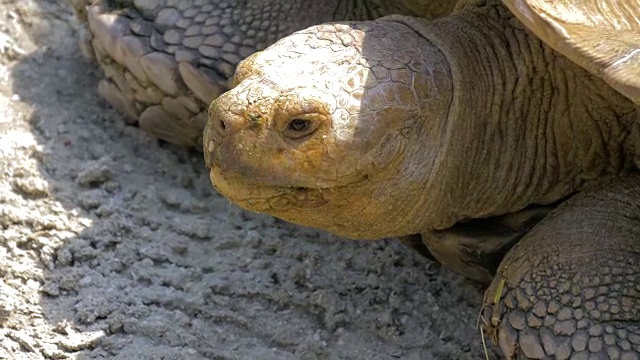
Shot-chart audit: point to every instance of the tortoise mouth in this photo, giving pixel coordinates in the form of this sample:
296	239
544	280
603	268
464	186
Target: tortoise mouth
350	211
272	199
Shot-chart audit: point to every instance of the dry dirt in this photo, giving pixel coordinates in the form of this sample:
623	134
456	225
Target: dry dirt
114	246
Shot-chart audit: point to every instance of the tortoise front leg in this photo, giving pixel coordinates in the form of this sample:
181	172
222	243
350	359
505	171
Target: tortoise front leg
570	289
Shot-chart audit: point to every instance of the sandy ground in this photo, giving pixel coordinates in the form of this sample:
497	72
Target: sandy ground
114	246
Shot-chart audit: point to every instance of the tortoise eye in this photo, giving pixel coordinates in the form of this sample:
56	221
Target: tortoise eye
298	128
299	124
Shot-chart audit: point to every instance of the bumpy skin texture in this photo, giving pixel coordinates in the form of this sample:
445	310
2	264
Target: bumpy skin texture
404	126
165	60
571	286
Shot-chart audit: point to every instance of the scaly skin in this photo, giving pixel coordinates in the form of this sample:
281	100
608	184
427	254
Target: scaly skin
572	284
165	60
403	126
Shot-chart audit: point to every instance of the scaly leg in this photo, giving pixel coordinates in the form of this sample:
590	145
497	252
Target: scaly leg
570	289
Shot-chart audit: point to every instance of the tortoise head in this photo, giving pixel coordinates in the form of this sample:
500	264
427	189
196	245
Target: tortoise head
334	127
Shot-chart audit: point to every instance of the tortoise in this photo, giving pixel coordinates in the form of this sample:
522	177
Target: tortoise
501	139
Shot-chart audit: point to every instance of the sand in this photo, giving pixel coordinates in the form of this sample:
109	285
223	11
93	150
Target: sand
114	246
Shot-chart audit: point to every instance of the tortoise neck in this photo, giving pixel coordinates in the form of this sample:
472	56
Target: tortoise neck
526	125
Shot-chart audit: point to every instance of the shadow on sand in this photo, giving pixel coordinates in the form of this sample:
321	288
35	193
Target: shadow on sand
141	259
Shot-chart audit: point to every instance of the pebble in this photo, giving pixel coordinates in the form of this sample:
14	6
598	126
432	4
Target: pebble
95	173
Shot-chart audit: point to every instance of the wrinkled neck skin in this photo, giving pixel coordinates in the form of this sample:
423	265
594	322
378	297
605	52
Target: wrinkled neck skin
526	126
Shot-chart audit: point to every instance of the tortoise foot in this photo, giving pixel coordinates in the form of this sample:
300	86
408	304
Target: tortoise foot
570	289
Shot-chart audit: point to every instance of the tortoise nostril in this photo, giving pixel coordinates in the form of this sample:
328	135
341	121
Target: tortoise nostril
227	123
